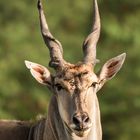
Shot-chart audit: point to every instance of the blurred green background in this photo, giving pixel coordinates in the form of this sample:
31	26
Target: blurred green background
21	97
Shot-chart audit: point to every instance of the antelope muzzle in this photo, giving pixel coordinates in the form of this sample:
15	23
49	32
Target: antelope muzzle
81	124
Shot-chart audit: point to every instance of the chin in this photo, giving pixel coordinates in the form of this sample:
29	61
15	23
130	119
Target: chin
81	133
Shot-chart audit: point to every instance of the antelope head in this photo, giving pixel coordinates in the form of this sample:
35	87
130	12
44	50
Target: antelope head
75	85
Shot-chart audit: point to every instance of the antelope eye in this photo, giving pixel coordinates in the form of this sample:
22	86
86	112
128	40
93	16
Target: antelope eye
94	84
59	87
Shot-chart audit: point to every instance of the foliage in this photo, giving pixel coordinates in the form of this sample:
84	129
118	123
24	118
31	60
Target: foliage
70	21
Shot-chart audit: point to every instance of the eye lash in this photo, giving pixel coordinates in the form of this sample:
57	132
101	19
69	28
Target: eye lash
84	73
94	84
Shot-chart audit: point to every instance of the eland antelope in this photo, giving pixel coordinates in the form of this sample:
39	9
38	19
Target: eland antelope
73	112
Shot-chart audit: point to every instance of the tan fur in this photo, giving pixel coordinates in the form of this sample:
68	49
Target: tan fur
73	112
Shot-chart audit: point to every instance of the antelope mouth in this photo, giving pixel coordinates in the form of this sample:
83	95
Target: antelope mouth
81	132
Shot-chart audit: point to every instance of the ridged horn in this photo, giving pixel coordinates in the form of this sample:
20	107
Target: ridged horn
54	46
89	45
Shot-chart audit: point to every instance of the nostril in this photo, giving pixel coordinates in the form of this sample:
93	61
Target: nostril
81	120
86	120
76	120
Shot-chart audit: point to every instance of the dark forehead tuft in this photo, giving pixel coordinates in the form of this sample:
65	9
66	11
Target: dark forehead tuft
72	71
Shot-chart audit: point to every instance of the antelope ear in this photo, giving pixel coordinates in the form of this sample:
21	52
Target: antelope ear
111	67
39	72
